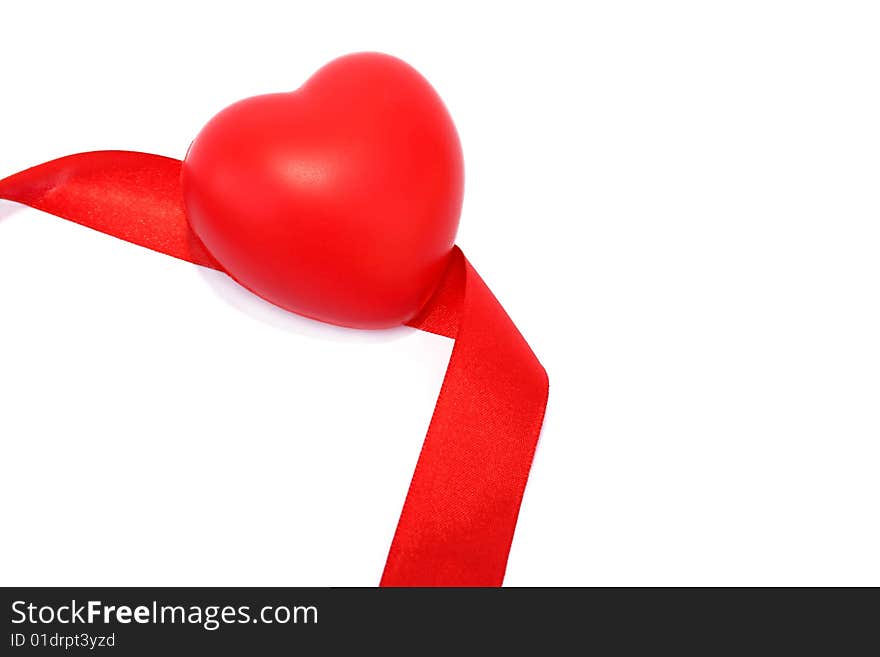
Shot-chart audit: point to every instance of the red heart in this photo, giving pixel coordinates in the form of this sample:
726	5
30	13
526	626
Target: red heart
338	201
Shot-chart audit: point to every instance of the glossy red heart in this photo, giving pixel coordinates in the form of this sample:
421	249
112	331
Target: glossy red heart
340	200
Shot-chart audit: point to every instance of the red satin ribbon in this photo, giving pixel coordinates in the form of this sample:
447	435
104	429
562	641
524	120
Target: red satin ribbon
460	513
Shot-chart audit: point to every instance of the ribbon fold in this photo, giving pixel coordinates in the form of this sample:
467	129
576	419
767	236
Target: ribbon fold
460	512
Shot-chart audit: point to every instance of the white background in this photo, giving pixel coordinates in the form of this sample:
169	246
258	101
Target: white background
678	203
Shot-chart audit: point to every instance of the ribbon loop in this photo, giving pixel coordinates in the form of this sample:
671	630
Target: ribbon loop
460	512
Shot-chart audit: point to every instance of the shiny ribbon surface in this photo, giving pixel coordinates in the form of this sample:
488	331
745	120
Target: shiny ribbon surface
460	512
